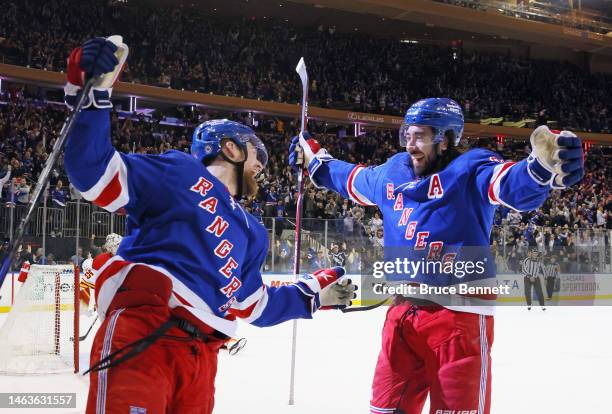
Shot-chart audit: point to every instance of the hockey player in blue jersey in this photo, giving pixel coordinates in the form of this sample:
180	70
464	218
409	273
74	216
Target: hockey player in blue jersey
438	205
189	264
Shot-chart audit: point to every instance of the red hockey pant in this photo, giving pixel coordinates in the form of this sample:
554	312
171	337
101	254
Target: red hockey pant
431	349
173	376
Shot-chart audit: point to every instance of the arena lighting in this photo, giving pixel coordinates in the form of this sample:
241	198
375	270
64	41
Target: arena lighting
409	41
133	103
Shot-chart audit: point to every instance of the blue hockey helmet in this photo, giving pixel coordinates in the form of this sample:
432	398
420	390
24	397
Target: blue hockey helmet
441	114
207	137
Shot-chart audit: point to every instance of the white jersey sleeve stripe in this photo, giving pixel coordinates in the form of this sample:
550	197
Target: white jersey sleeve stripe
110	283
353	192
258	309
111	190
495	185
253	298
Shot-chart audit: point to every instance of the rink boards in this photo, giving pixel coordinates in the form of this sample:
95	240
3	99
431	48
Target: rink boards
571	289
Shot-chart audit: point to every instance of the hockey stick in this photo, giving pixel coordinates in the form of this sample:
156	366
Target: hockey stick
43	179
84	336
365	308
301	70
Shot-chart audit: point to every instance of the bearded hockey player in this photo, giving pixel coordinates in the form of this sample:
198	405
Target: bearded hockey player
188	265
436	202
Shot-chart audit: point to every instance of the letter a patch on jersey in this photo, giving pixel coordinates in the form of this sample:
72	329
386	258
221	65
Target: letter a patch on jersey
435	187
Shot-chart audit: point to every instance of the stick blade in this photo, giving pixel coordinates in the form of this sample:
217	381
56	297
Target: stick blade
301	70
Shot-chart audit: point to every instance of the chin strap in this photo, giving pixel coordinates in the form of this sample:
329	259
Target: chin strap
239	172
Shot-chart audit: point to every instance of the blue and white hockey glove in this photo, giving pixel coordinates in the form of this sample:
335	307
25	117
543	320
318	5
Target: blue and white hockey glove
329	287
556	159
313	154
98	57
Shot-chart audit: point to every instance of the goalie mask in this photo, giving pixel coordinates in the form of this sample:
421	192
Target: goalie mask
112	243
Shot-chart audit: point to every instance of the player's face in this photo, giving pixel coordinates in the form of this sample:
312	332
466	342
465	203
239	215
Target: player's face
252	164
420	146
252	167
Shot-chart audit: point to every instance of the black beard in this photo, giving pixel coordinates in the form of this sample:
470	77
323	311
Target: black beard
430	168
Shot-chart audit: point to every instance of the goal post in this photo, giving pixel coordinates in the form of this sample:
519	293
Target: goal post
40	334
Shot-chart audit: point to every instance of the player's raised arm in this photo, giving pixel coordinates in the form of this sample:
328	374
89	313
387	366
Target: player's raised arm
95	168
556	162
353	181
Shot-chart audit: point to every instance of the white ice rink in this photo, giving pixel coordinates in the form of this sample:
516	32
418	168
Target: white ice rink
558	361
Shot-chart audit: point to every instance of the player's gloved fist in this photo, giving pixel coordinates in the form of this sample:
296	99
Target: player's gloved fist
555	159
329	287
305	150
338	295
99	58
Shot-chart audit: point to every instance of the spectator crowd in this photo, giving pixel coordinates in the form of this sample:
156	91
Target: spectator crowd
591	16
568	219
180	46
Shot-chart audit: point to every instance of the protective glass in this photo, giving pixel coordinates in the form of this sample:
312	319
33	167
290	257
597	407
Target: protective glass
262	153
421	139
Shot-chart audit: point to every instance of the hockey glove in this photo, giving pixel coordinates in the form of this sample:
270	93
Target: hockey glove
329	287
98	57
313	154
556	159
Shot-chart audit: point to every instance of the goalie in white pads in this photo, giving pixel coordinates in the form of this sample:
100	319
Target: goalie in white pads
92	266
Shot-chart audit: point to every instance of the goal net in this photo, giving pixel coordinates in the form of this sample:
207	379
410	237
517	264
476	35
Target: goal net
40	333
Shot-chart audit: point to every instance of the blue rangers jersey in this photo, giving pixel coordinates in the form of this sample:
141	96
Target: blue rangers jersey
182	222
445	217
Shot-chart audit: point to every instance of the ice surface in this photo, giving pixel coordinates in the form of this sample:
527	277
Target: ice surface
558	361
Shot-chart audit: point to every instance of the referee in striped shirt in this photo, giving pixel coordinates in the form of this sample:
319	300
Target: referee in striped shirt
551	272
532	270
